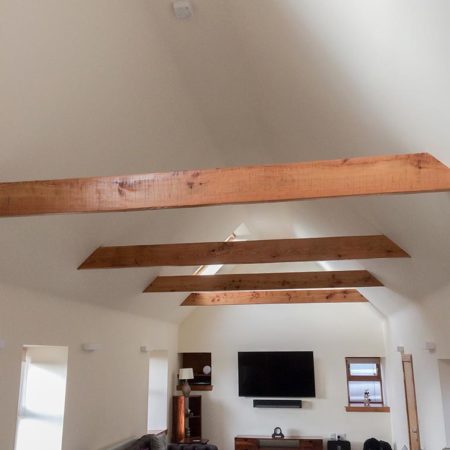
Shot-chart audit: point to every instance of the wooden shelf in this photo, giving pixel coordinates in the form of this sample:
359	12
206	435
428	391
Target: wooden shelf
198	387
179	417
384	409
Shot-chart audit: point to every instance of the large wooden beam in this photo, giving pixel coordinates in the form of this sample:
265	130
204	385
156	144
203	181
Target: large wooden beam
395	174
263	281
274	297
244	252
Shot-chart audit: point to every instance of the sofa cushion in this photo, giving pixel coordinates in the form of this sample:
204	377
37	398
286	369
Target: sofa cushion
150	442
140	444
158	442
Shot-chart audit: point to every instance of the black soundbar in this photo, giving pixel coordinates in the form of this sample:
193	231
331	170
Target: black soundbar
277	403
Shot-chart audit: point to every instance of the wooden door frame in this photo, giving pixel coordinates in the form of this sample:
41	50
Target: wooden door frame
407	358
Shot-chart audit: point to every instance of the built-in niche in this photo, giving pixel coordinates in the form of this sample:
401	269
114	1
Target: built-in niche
202	368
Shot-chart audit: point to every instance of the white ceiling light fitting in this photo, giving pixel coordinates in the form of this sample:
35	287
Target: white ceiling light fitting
183	9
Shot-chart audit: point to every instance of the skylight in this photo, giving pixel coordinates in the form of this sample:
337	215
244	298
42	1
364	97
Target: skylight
212	269
241	233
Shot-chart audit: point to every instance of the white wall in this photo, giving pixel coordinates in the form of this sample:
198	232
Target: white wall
412	326
331	331
107	390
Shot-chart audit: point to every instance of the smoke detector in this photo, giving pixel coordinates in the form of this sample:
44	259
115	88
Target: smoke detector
183	9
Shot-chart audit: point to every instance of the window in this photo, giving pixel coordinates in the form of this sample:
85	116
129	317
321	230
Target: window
364	383
42	397
158	390
212	269
241	233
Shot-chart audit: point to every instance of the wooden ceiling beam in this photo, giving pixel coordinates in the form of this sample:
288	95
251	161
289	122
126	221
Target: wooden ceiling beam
394	174
274	297
244	252
264	281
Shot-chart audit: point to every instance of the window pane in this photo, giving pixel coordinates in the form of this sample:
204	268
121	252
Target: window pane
357	388
157	390
42	398
363	369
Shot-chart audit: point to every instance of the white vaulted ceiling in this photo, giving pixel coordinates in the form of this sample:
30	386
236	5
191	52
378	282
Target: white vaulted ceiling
106	87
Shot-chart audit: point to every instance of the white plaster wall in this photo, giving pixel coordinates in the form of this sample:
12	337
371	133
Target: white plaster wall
331	331
412	326
107	390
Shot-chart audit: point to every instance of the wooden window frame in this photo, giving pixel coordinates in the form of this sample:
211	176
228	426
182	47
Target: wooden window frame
375	378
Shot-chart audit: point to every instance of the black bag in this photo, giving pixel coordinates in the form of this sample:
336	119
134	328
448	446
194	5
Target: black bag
372	444
375	444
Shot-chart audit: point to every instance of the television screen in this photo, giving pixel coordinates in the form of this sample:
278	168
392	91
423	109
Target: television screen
276	374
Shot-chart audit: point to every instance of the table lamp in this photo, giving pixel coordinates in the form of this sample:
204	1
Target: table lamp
185	375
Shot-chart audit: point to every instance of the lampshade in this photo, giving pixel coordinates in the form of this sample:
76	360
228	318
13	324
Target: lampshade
186	374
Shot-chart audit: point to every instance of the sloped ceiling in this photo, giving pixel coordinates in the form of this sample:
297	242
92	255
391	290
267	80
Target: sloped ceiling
109	87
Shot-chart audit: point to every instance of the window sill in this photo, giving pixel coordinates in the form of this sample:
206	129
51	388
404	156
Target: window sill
157	432
384	409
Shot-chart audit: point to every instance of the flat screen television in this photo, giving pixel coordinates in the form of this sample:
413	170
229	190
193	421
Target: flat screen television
276	374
